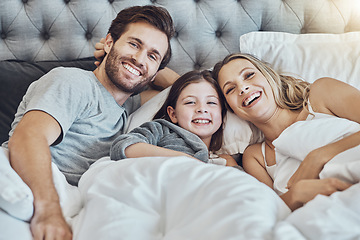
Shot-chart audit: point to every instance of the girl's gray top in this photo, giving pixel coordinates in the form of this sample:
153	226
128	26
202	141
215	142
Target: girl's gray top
161	133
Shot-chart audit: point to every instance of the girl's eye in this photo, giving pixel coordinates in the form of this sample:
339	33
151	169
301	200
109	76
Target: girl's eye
212	103
189	102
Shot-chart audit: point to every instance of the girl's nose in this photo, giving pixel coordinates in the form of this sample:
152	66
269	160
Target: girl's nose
201	109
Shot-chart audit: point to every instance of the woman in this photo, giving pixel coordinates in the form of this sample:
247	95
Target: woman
272	102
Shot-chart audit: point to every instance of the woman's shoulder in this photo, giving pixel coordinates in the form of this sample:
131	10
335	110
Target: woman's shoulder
320	94
253	151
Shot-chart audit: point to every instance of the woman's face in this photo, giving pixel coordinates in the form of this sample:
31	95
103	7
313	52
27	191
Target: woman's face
198	110
247	91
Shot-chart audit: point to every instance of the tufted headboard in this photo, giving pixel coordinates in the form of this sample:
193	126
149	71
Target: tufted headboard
206	30
39	35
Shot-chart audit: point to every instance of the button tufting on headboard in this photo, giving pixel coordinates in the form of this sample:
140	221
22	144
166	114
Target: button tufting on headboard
88	35
207	30
46	35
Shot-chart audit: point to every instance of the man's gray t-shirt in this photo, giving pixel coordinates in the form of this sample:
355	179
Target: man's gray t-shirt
89	117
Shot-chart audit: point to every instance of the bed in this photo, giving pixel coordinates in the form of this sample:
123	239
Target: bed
178	198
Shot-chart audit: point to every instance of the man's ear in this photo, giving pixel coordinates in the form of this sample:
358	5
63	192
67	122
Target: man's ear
171	112
108	43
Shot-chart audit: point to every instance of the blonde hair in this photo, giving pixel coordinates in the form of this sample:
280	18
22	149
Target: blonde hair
289	92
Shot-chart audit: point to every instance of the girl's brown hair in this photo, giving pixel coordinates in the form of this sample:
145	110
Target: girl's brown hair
175	91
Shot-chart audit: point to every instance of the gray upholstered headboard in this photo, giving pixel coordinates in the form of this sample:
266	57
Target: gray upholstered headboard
206	30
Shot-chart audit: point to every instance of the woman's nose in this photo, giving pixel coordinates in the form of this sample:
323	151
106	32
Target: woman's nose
244	89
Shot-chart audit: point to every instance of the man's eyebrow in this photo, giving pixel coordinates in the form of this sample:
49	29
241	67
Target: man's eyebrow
154	50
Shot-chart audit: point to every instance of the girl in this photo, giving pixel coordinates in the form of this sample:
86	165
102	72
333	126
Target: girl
273	102
189	123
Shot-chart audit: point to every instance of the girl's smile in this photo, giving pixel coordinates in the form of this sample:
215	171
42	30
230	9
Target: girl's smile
198	110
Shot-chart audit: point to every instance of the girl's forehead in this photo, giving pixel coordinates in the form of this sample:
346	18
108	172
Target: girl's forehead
199	87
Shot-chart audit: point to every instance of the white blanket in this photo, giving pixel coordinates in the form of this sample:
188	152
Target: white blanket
181	198
174	198
299	139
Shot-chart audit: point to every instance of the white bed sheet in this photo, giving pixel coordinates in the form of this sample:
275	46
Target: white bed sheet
181	198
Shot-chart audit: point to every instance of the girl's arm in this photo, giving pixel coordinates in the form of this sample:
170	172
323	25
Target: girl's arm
143	141
336	98
254	164
148	150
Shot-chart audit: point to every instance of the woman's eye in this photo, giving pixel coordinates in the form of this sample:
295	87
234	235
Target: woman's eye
249	75
229	90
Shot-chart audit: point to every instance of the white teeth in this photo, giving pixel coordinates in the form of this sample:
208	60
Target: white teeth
251	97
201	121
132	70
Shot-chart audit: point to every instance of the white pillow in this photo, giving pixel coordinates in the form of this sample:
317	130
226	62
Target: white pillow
237	132
308	56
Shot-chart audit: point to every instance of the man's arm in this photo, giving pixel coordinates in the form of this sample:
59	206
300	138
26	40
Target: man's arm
164	78
31	158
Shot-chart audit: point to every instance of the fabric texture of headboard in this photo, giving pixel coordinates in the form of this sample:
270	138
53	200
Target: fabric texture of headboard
206	30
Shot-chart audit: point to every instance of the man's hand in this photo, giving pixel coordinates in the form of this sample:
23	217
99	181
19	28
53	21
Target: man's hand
48	223
99	51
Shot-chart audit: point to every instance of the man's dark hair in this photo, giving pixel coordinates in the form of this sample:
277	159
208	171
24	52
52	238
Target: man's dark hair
158	17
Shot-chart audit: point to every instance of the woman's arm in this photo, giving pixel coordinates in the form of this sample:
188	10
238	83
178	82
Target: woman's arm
306	189
336	98
254	164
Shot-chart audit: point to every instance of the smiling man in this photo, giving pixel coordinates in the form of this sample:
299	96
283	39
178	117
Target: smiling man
71	116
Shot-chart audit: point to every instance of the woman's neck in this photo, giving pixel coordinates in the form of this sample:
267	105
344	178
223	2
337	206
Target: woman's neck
278	122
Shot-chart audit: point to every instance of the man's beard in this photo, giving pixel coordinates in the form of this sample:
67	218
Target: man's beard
112	70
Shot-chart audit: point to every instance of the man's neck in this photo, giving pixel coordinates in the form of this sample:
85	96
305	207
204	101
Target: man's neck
119	96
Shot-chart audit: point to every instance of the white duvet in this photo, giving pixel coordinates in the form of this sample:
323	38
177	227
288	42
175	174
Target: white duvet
299	139
181	198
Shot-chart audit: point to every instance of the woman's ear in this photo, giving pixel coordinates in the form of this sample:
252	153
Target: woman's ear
171	112
108	43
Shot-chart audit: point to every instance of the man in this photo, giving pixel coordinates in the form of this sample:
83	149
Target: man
70	116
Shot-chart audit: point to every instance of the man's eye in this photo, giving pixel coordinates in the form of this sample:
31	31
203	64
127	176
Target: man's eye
133	44
152	57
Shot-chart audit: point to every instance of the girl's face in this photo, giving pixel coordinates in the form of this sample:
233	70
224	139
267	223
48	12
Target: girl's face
198	110
247	91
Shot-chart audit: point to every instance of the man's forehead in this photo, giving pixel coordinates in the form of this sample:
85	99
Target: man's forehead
148	35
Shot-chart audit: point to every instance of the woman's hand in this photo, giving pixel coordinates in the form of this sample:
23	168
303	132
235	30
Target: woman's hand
311	166
305	190
99	52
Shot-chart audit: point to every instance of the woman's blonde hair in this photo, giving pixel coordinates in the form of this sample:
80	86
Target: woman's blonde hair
289	92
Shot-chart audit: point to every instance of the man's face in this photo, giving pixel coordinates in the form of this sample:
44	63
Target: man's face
135	57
